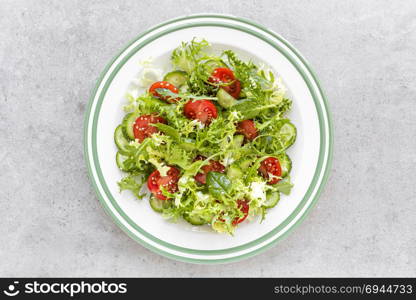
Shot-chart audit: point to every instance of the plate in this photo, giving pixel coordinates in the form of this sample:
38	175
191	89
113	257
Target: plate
311	153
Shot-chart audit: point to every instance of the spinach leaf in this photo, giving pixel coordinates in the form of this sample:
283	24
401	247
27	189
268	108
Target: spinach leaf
218	184
168	130
194	168
249	108
284	186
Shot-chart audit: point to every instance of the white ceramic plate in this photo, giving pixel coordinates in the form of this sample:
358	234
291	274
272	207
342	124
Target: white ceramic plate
311	153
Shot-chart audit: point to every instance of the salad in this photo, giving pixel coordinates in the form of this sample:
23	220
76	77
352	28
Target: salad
209	139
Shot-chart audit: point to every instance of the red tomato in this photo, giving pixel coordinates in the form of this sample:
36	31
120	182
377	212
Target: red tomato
271	166
213	165
168	182
201	110
233	89
163	85
248	129
142	128
225	75
222	75
244	207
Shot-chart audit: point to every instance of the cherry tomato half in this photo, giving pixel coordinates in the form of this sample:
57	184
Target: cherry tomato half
168	182
164	85
248	129
142	128
233	89
244	207
222	75
214	165
201	110
231	85
271	166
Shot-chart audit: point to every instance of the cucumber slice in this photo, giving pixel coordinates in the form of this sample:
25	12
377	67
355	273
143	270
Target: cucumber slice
219	226
234	172
271	199
128	124
287	134
285	163
244	163
120	161
194	219
177	78
124	122
225	99
159	205
120	140
238	141
212	64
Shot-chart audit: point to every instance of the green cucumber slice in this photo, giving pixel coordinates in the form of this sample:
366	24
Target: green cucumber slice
287	134
123	123
238	141
159	205
120	140
120	161
225	99
244	163
271	199
194	219
177	78
285	163
219	226
234	172
128	124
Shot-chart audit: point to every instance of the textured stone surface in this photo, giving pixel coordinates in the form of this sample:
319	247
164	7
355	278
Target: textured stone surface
52	52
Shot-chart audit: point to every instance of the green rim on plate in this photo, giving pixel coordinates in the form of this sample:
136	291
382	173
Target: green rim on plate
325	153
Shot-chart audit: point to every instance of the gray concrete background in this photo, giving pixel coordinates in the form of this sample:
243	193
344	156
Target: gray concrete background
51	54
